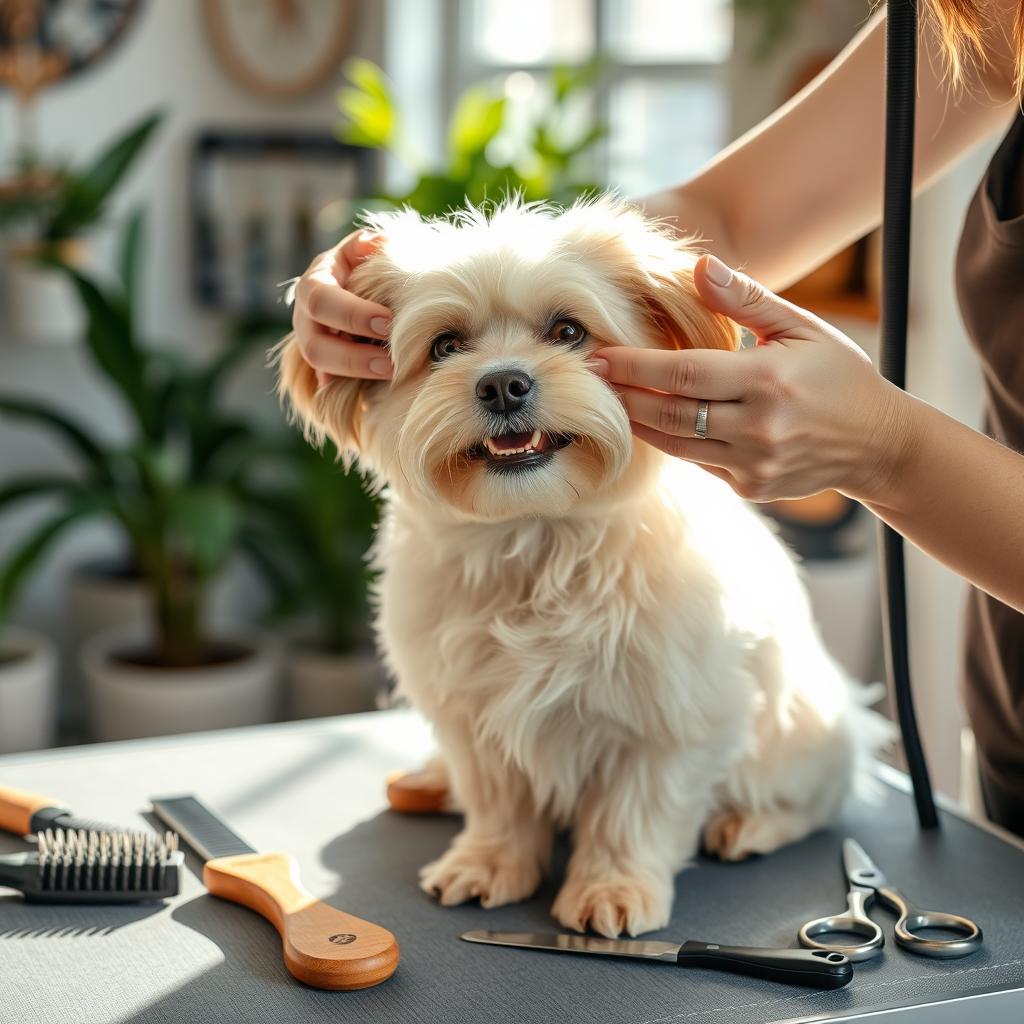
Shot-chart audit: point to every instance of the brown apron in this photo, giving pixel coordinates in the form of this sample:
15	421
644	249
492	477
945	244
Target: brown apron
990	287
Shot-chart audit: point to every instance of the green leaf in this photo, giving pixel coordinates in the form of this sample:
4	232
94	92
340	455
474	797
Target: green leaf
436	194
35	487
368	106
568	79
204	524
65	428
371	123
82	202
111	342
129	259
24	557
369	77
478	117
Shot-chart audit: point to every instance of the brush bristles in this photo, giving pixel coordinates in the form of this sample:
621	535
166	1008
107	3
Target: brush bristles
82	861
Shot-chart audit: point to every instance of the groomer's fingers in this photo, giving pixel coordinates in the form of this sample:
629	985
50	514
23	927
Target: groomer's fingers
340	356
321	292
672	414
326	303
692	449
351	251
750	304
697	373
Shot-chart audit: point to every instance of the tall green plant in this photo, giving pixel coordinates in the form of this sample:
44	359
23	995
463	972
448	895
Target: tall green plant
484	160
174	487
310	528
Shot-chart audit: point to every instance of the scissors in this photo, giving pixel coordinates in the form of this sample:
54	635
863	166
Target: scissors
866	882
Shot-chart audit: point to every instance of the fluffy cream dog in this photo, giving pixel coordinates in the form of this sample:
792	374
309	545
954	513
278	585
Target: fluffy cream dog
604	638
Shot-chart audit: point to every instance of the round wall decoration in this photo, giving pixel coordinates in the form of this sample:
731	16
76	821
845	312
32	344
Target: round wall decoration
280	49
45	41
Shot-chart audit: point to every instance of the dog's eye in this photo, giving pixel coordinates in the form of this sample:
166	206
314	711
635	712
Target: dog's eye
567	332
445	345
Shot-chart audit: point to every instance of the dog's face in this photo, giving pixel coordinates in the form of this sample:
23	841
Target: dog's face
494	411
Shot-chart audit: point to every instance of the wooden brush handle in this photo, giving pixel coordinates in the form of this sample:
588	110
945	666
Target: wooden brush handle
323	947
17	807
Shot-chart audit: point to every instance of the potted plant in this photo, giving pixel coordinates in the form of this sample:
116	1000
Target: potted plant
174	488
493	151
310	530
28	690
44	213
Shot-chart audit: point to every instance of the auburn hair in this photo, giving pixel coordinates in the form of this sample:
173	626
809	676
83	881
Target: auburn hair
962	25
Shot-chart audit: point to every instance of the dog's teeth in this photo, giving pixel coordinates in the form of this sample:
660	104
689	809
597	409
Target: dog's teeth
533	445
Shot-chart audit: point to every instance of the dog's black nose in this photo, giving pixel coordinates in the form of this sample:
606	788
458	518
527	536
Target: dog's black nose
503	391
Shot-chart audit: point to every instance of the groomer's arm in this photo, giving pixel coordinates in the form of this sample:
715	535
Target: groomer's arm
958	495
807	181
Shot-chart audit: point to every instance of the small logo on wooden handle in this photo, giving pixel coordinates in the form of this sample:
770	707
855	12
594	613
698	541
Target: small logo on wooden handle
342	938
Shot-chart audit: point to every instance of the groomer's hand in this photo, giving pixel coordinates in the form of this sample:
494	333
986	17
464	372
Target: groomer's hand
328	319
802	412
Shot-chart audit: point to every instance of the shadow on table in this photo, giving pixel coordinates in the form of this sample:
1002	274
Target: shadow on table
20	919
377	863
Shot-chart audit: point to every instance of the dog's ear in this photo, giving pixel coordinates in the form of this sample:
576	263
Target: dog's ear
333	410
336	409
673	304
651	264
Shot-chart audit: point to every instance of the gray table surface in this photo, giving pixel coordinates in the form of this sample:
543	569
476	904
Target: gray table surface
316	789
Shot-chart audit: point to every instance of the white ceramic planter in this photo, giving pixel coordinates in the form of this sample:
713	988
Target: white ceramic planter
28	691
129	701
40	304
320	683
99	599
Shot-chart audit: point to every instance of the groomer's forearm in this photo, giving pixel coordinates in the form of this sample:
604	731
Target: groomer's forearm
695	212
807	180
958	496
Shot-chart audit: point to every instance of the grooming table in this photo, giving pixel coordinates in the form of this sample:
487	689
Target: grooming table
316	789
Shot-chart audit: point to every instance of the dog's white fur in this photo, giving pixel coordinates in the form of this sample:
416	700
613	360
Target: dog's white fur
612	642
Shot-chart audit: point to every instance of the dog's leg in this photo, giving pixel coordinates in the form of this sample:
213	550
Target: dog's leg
809	742
505	845
636	827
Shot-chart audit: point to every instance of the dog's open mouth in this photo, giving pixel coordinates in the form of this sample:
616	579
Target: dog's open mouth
522	450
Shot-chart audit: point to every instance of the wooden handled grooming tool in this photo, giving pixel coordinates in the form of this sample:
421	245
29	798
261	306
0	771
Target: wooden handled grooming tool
23	812
323	946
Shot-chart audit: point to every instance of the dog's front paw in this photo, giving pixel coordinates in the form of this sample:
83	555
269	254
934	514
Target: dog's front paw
737	835
623	903
496	878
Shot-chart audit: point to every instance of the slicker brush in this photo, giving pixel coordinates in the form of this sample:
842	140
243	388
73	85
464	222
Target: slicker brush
79	866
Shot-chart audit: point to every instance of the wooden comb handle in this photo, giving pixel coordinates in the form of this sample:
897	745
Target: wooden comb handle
323	947
17	807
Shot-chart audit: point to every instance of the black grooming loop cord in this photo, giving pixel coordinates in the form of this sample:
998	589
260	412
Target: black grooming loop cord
901	84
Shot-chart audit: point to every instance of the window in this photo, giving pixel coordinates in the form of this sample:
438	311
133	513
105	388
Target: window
662	95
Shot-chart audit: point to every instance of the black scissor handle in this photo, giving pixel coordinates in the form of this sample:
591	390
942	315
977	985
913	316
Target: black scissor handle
911	919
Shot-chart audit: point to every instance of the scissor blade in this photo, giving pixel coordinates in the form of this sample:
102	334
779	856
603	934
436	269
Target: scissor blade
860	868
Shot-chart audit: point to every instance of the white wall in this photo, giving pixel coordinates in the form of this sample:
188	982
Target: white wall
165	61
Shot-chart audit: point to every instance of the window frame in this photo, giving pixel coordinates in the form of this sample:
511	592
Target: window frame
461	66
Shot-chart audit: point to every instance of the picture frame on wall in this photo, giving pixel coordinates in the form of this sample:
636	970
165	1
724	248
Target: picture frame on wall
263	203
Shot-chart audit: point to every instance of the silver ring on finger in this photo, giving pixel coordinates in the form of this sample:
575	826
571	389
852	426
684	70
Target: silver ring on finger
701	427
